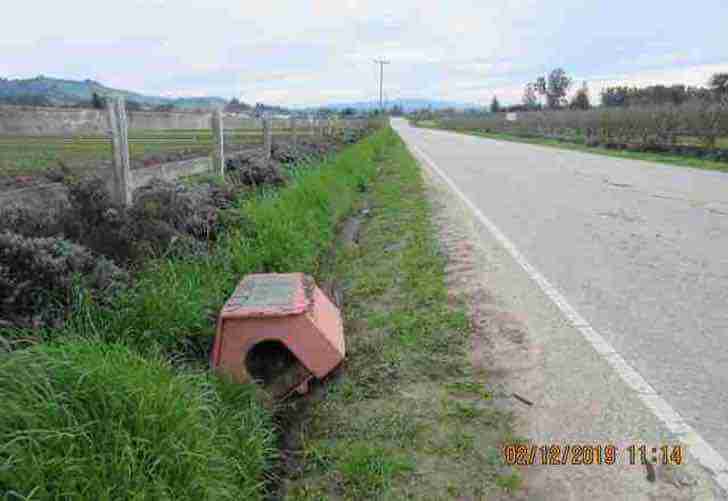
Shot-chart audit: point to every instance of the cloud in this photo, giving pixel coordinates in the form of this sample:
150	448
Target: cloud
292	52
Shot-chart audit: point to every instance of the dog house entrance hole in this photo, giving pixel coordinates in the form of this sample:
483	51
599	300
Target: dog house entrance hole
273	366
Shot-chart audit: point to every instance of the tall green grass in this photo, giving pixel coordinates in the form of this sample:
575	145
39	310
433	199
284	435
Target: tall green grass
96	421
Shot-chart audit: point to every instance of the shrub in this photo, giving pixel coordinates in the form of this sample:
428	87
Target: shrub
29	221
163	213
94	421
40	276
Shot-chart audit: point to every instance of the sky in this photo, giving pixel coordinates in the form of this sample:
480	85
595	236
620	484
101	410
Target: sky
296	53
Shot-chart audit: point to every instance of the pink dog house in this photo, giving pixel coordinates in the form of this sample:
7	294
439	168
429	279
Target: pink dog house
278	314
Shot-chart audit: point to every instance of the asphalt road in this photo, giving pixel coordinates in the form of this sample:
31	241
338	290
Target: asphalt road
639	249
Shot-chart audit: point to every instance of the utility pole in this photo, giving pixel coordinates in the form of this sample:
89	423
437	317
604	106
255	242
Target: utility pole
381	63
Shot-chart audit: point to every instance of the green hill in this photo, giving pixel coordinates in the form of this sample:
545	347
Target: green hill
58	92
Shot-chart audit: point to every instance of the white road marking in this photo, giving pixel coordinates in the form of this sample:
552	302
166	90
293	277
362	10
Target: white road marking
708	457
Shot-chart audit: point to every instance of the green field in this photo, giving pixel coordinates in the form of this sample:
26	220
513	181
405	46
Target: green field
32	155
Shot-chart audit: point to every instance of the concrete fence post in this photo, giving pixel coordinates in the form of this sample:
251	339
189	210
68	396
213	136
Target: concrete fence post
267	139
122	191
294	139
218	143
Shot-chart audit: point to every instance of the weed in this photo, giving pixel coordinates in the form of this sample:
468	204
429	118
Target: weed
101	422
367	471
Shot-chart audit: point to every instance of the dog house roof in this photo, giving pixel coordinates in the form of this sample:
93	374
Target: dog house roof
270	295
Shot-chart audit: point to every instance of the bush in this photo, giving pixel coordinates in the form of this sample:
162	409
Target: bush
40	277
163	213
92	421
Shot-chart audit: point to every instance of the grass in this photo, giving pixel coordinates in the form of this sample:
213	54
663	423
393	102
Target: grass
93	421
682	161
117	405
407	419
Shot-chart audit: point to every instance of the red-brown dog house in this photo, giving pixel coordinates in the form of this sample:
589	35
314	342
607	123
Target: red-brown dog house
274	314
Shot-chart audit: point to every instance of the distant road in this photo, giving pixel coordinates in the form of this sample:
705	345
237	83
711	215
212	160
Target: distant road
639	249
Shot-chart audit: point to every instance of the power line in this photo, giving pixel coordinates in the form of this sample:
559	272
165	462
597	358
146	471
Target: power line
381	63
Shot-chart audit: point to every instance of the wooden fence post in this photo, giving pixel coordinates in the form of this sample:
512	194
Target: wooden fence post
267	140
294	139
218	144
122	191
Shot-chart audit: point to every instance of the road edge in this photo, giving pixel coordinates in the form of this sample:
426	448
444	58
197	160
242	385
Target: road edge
698	448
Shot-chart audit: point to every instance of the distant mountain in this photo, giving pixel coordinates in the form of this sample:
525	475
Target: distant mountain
406	104
58	92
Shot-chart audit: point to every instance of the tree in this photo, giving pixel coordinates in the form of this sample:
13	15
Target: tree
132	105
719	83
495	106
581	99
554	88
530	98
97	101
27	100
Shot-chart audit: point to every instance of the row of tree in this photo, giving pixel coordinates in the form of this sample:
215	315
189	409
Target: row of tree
660	95
554	88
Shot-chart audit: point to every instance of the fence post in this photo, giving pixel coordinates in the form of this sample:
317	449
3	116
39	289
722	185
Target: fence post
267	140
122	191
218	143
294	140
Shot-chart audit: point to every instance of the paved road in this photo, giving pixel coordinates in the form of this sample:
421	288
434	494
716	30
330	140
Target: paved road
639	249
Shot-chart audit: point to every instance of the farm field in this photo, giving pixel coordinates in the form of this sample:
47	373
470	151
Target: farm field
664	158
684	150
36	155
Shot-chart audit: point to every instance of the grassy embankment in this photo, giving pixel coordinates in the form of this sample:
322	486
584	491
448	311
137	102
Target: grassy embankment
118	404
408	418
664	158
